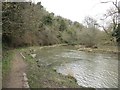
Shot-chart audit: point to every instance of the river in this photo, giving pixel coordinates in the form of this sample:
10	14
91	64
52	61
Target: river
96	70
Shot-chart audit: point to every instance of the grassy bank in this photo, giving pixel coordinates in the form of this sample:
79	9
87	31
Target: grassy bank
6	63
41	76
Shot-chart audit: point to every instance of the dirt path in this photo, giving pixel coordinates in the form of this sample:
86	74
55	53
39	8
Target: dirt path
16	74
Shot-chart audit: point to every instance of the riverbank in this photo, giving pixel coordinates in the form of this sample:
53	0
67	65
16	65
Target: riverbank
39	76
100	49
42	72
43	75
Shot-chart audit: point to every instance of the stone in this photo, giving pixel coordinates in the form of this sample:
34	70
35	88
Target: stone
24	74
33	55
25	79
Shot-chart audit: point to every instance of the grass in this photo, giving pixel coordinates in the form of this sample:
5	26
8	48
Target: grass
0	66
6	62
41	76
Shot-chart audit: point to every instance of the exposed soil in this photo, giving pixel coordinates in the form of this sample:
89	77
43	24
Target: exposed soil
15	77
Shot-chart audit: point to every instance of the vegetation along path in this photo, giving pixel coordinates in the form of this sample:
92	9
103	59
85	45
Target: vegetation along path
15	78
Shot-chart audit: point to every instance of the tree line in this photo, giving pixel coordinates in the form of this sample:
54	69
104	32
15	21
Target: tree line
28	24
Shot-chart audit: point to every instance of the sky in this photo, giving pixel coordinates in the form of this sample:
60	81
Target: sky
76	10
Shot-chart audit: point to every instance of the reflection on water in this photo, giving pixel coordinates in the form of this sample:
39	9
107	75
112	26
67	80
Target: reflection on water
98	70
90	69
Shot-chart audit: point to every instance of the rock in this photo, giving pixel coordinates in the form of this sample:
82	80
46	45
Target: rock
37	60
34	50
33	55
94	46
38	65
25	79
90	50
24	74
41	47
80	49
26	85
54	70
30	50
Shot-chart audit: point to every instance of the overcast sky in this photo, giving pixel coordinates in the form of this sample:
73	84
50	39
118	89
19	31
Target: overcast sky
76	10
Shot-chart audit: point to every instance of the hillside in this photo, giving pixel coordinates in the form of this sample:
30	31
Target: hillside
27	24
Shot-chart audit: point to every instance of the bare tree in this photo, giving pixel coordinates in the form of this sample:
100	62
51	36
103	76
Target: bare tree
112	15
